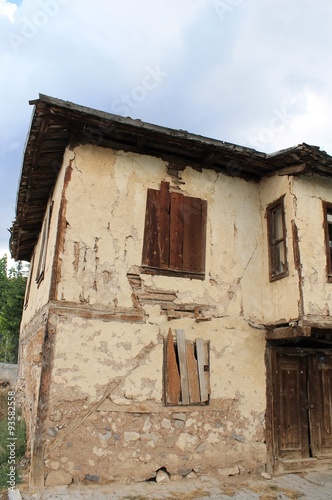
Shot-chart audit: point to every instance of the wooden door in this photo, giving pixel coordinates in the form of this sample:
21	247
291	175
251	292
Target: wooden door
291	417
302	404
320	404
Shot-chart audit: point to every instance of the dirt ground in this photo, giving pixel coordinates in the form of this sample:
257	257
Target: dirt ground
310	486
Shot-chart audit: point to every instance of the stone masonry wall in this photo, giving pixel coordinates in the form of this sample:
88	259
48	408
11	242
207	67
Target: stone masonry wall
113	446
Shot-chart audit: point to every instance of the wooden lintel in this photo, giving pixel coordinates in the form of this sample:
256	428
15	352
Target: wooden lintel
64	308
316	321
289	332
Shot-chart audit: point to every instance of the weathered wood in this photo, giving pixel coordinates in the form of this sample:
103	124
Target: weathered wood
287	332
163	224
173	386
151	252
181	346
293	435
176	231
294	169
320	404
194	392
43	246
316	321
193	235
202	362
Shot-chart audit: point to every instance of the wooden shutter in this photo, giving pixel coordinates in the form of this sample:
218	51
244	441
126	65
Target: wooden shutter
175	231
156	232
194	234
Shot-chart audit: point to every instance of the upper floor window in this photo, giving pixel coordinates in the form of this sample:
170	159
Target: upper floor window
174	235
328	237
277	240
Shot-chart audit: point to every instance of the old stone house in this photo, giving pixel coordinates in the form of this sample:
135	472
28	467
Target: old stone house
178	310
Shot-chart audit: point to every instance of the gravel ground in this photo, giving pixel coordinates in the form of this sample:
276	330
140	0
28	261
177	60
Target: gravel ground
310	486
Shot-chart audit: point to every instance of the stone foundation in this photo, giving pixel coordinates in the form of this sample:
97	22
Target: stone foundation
118	446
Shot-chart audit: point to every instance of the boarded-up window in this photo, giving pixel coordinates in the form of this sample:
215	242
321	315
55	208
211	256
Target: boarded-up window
277	240
43	245
175	232
186	370
328	237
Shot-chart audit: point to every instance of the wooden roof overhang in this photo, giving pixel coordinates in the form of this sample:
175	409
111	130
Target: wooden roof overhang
57	124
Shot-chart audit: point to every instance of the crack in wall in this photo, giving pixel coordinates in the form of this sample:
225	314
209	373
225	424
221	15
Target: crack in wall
135	362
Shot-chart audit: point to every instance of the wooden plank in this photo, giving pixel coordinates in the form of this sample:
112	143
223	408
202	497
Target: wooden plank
193	235
164	224
296	247
176	231
181	345
173	386
202	362
203	234
315	404
194	392
151	252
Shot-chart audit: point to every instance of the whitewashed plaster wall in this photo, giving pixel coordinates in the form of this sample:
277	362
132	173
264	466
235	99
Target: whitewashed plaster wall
105	225
39	294
309	194
281	297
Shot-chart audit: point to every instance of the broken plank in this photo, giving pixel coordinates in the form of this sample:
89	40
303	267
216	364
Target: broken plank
194	392
181	345
173	386
203	367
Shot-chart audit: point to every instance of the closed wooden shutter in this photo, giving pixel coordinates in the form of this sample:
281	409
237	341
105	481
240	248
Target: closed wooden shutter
175	231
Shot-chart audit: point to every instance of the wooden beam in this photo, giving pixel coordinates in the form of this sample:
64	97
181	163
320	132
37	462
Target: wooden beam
294	169
289	332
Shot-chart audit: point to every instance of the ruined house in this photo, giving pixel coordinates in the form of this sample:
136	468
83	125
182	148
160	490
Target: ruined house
178	309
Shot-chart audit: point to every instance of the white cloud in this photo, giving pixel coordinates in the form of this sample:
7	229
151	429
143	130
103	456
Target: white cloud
8	10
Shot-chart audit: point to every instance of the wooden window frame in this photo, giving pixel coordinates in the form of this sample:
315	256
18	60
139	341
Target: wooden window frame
174	234
28	287
186	371
43	245
273	242
327	210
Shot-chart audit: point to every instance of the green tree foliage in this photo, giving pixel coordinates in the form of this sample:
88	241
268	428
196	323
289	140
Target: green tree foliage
12	289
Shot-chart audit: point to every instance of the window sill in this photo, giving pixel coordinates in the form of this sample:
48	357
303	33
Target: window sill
172	272
279	276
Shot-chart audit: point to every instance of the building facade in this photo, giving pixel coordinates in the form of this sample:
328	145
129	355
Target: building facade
178	309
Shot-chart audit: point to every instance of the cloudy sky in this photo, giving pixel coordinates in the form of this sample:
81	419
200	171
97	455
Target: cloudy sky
251	72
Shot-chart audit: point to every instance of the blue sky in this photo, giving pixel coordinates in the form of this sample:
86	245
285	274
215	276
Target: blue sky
251	72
